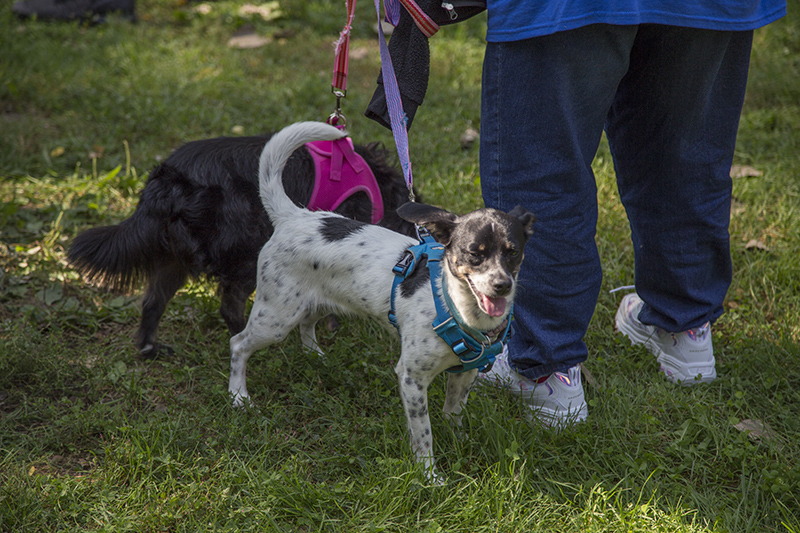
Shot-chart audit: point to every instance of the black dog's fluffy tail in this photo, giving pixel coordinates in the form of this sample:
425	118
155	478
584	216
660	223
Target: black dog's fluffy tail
117	257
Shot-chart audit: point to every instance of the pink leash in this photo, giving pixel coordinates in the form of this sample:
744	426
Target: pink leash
340	172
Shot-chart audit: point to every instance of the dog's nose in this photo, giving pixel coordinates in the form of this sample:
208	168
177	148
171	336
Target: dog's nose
502	287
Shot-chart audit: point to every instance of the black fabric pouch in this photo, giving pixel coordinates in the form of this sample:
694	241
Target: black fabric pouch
410	54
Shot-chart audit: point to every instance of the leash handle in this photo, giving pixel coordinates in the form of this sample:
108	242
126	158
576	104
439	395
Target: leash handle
397	116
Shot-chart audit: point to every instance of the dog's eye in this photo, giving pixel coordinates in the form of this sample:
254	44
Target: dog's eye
512	252
474	256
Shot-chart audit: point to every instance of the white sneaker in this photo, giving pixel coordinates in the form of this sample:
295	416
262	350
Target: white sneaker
556	400
686	358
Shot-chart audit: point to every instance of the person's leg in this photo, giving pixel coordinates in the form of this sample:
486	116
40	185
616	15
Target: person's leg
544	104
672	131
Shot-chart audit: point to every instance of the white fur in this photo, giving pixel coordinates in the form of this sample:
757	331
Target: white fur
303	276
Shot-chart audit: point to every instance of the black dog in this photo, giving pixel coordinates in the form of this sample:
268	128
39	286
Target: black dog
200	214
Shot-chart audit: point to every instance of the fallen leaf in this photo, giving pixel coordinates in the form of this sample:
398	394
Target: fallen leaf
590	379
237	130
203	9
268	11
755	429
248	41
362	52
97	152
745	171
755	244
469	137
57	152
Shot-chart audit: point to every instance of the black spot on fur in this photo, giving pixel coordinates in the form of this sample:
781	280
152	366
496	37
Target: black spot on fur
336	229
421	277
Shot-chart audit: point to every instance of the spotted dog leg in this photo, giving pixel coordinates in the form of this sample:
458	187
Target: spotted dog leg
414	392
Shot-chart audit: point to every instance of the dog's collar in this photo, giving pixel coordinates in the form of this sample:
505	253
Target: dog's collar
475	348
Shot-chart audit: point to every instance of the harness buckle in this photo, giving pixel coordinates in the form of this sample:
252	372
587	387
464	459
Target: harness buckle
459	348
405	262
424	235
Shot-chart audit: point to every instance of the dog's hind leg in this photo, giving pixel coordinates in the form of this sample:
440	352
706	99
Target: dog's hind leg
268	324
164	282
458	387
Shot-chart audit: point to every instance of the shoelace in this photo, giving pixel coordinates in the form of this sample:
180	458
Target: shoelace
623	288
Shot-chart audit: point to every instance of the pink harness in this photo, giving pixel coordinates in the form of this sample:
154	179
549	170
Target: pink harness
340	173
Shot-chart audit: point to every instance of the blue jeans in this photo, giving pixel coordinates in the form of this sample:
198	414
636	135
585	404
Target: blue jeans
669	99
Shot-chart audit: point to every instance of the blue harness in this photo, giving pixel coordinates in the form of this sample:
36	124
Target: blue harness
474	348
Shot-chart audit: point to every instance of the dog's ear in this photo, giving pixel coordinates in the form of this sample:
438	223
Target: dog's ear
525	217
438	221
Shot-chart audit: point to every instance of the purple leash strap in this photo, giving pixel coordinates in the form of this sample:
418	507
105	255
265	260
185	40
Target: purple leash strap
397	116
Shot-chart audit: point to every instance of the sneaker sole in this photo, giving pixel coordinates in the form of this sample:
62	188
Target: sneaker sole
679	372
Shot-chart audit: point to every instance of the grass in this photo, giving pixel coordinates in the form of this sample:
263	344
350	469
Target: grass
92	438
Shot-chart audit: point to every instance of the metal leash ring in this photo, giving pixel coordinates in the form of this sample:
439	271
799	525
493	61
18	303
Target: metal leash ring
337	118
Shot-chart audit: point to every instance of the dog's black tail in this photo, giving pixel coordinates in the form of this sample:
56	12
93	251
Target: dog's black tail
118	256
273	160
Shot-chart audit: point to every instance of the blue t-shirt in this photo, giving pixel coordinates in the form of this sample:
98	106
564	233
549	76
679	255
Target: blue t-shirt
513	20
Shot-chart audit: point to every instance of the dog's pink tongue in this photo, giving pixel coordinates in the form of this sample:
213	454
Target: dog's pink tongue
493	306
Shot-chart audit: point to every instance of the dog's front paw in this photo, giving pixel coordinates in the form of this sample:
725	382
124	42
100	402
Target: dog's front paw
241	400
433	477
